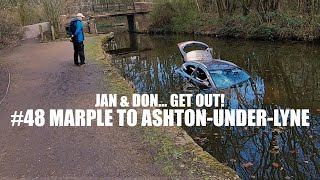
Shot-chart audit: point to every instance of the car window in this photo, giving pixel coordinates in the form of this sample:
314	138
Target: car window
202	76
195	47
228	77
198	55
189	69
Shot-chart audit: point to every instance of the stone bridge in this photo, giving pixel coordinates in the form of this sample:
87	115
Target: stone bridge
136	13
96	8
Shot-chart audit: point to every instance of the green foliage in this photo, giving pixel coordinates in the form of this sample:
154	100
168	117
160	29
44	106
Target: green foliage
264	31
162	16
184	17
174	16
279	26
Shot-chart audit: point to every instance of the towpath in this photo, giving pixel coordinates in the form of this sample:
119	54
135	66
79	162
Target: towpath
43	76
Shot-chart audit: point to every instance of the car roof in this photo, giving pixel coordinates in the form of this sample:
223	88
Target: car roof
215	64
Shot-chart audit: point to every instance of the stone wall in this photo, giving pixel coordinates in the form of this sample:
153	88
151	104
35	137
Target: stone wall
33	31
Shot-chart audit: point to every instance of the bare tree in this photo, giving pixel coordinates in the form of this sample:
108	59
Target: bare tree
53	9
246	4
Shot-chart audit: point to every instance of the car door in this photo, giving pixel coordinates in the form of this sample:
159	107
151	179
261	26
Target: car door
186	70
200	78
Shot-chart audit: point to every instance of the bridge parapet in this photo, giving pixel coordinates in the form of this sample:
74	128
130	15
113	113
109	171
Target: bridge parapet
94	8
143	6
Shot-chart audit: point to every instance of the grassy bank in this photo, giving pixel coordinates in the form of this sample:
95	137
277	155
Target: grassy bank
171	147
271	24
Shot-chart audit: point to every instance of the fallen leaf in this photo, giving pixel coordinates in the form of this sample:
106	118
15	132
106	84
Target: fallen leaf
292	152
278	130
274	164
274	151
247	165
197	138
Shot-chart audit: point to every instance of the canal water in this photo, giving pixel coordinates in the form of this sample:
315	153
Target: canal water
284	75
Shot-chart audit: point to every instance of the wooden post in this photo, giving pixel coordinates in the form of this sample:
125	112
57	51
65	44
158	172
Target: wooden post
92	26
52	33
95	28
41	33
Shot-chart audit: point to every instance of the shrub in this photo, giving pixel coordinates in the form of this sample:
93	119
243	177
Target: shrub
161	17
264	31
10	28
179	16
186	16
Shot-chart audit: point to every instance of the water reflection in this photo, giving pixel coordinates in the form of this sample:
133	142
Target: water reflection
283	76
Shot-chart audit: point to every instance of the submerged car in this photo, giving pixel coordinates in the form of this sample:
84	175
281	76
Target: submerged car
202	70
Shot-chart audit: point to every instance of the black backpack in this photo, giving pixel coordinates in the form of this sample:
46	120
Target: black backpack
72	28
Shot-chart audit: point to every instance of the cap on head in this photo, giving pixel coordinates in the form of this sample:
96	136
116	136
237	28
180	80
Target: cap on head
80	15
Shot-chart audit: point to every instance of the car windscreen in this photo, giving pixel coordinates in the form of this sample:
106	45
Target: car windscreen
225	78
194	48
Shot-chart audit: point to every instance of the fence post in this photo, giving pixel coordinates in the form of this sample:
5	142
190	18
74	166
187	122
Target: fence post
95	28
41	33
52	33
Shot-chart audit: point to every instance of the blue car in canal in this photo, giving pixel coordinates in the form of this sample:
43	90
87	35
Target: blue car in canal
202	70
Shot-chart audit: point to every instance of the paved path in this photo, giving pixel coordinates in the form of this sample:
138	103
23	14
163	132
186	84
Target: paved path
43	76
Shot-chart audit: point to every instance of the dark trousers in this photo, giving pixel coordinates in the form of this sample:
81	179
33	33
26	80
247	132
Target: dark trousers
78	48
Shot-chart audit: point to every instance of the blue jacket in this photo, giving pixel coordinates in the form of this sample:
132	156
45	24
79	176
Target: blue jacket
79	31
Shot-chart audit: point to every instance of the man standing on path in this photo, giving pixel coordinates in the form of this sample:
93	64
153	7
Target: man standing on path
77	38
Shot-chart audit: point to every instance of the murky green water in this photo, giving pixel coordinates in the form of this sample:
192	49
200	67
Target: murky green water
285	75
